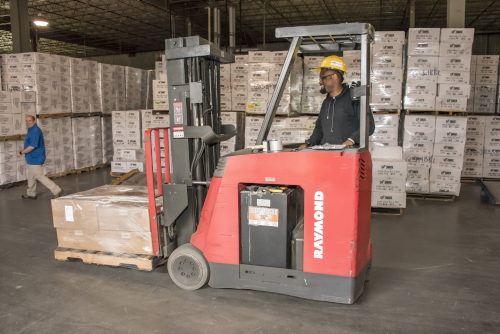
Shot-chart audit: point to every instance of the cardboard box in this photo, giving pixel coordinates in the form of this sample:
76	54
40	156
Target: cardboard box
417	89
414	186
448	162
418	174
451	123
415	160
454	77
445	188
386	75
385	102
424	34
420	76
69	212
492	121
487	69
445	175
118	167
484	97
423	48
491	172
388	184
386	121
472	171
455	63
420	122
384	134
450	49
450	136
477	121
487	59
277	56
389	168
451	103
491	162
388	200
485	108
449	149
389	37
457	35
473	161
486	79
386	89
422	63
418	148
454	90
387	49
259	56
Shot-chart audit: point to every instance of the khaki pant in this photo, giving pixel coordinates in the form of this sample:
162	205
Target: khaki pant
35	173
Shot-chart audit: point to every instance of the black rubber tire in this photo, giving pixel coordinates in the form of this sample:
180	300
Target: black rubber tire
188	267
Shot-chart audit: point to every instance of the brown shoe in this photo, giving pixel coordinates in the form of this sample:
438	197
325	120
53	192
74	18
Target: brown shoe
25	196
58	194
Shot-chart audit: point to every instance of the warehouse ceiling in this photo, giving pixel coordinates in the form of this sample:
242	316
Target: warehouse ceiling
100	27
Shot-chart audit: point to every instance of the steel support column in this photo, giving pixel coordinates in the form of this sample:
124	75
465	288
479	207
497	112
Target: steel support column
232	28
20	25
217	26
455	14
412	13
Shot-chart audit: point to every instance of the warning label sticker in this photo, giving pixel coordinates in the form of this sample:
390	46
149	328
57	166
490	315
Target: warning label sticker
263	216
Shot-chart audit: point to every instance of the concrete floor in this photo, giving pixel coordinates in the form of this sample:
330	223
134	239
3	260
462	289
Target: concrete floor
435	269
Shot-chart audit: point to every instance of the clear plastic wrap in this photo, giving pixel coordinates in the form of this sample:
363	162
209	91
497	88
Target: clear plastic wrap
413	186
424	149
420	102
445	188
472	171
418	174
451	103
422	63
423	48
386	121
108	218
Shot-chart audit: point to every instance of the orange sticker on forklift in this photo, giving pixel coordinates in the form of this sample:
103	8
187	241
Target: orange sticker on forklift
258	216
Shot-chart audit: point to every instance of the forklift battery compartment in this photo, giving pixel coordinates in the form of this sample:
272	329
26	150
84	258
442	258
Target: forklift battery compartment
268	217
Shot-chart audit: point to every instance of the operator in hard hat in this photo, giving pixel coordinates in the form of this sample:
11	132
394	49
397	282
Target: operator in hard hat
338	120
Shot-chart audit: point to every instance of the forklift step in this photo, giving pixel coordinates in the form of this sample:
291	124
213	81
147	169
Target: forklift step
131	261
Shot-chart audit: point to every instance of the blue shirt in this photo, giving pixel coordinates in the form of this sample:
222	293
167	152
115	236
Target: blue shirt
34	138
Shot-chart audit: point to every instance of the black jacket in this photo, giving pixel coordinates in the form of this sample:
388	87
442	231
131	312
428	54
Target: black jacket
338	120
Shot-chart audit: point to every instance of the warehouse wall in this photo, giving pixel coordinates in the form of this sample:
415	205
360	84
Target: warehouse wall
486	44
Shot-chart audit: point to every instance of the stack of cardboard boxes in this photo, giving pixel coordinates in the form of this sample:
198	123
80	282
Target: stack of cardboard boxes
127	141
474	146
312	99
12	168
389	172
87	141
386	131
107	139
57	135
484	82
491	163
455	50
113	219
422	69
12	119
387	56
160	94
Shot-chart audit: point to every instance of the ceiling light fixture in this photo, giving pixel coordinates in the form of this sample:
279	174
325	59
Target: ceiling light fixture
40	21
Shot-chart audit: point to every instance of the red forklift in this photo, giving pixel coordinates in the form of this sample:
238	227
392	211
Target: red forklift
271	218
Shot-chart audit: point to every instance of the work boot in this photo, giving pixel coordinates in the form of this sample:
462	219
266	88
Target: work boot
26	196
58	194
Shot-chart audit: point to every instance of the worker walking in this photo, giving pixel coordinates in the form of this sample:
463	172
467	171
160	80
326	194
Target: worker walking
34	150
338	120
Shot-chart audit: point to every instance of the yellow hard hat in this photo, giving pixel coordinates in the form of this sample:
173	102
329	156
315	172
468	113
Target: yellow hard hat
333	63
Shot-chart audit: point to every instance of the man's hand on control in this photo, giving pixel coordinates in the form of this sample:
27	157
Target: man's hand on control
303	146
348	143
18	153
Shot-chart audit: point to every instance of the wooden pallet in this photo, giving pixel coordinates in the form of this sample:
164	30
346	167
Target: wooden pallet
386	111
469	179
490	179
87	114
14	137
61	174
437	112
13	184
159	112
122	176
100	166
388	211
106	115
432	197
482	114
82	170
61	115
132	261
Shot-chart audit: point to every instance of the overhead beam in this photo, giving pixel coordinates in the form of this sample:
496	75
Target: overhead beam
20	26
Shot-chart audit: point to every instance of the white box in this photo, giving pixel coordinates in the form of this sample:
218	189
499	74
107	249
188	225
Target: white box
422	63
424	34
451	103
455	63
388	200
473	161
417	89
423	48
486	108
422	135
486	79
445	188
118	167
277	56
387	89
457	35
472	171
385	101
389	37
485	97
454	90
479	121
417	186
449	49
241	58
415	160
386	75
418	148
259	56
424	76
492	121
487	59
448	162
487	69
387	49
450	136
449	149
388	184
454	77
386	121
491	172
418	174
389	168
445	175
491	162
420	122
384	134
131	165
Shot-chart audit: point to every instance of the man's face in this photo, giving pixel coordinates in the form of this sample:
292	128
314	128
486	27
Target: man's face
29	122
327	79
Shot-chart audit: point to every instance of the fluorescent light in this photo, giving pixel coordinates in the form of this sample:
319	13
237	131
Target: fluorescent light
41	23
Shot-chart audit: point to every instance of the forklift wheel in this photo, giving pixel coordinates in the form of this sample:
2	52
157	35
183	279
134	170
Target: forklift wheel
188	267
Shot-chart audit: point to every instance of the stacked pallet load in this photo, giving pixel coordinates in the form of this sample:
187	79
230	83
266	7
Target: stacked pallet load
160	94
418	148
12	118
474	147
58	139
107	139
238	83
387	56
352	60
389	172
485	84
225	92
107	225
127	141
422	69
87	141
455	50
12	168
237	119
312	99
150	121
491	163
